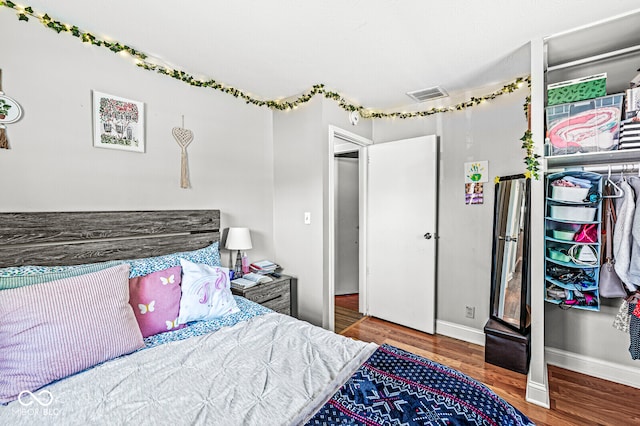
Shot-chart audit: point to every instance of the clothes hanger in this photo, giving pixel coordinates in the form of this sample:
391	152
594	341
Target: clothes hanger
619	193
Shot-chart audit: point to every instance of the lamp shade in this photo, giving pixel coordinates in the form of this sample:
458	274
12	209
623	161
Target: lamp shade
238	239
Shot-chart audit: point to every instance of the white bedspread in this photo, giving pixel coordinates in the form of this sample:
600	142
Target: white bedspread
270	370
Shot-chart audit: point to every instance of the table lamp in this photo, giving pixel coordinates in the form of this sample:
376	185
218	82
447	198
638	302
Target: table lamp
237	239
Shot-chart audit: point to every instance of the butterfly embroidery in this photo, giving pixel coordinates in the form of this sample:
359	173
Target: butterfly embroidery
172	324
169	280
147	308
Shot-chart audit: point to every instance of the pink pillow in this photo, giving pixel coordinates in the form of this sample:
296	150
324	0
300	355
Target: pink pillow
52	330
155	299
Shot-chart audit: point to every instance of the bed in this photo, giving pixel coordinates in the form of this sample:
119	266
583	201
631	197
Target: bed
82	342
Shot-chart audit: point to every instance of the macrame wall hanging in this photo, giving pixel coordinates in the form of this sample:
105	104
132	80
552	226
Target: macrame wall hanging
10	112
183	137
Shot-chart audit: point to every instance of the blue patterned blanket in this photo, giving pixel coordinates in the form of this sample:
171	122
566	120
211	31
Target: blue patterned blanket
395	387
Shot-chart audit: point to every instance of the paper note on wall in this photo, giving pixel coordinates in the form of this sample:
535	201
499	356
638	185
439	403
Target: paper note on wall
476	171
474	193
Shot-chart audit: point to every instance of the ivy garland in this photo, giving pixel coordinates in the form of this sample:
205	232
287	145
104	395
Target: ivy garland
531	159
143	61
282	105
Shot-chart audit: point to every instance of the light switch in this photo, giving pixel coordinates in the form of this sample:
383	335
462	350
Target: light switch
307	218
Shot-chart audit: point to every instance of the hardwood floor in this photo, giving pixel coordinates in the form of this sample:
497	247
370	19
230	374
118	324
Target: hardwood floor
344	318
348	301
576	399
346	311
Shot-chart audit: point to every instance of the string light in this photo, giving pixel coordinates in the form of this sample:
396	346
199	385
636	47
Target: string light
143	61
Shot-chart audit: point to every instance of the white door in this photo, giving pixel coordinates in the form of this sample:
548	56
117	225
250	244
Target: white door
401	228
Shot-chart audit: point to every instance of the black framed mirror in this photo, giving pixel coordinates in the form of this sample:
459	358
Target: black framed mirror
510	275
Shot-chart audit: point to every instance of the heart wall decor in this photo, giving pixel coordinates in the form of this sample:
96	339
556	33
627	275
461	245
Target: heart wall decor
183	137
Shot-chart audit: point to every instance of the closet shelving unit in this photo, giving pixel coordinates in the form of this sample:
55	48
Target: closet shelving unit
564	219
611	45
614	48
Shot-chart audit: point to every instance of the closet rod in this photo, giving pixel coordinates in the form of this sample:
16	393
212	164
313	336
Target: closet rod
617	168
600	168
595	58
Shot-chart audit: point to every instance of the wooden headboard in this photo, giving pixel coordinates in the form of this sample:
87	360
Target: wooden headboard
71	238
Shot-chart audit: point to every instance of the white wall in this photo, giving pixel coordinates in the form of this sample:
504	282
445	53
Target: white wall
488	132
52	165
300	149
492	132
301	153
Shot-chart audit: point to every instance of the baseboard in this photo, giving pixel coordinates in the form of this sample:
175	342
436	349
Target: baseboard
537	393
460	332
617	373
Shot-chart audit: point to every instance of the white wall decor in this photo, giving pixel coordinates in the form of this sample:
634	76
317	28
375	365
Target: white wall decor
10	112
118	123
184	137
476	171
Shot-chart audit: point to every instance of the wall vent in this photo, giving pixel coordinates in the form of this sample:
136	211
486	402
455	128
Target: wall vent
429	94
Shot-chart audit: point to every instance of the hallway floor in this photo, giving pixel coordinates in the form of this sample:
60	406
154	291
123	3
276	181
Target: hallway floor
346	311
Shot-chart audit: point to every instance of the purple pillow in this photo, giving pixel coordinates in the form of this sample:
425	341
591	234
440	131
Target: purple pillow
52	330
155	299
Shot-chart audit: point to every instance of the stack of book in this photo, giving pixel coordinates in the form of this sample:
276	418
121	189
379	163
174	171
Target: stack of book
249	280
263	267
630	126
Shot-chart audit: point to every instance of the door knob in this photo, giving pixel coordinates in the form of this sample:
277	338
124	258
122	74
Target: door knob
427	236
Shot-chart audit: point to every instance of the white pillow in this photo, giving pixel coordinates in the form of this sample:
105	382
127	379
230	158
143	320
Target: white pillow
206	292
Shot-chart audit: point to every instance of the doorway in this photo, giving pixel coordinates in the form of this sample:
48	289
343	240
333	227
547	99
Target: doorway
346	184
345	300
397	182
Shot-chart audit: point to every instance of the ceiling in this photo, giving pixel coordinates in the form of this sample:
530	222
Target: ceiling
371	51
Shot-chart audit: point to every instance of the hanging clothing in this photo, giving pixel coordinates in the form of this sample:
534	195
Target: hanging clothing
623	318
622	234
634	266
634	330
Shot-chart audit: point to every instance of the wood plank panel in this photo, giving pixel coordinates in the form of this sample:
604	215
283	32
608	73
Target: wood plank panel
99	251
41	227
576	399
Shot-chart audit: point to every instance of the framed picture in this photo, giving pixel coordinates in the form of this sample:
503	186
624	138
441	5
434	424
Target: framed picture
118	123
10	111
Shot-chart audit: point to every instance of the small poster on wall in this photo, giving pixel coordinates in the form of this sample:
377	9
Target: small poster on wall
476	171
474	193
118	123
475	174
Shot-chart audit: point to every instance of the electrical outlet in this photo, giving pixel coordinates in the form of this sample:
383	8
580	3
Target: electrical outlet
470	311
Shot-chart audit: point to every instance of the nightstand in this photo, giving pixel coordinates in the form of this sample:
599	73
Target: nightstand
274	295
